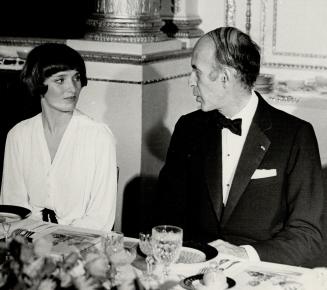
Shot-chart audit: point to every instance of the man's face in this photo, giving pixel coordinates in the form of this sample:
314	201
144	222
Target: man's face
205	80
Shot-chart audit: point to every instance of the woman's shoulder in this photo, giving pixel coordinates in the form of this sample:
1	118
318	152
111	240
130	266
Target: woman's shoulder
92	125
25	125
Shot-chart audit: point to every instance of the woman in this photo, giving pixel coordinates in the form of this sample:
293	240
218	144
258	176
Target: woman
60	164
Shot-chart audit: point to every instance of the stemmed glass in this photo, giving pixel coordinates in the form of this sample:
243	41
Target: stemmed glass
118	255
146	248
166	244
6	225
113	247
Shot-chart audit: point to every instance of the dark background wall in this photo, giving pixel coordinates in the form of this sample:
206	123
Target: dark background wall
16	105
44	18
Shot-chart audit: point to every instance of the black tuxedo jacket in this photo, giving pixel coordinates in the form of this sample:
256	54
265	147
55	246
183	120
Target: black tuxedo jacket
278	214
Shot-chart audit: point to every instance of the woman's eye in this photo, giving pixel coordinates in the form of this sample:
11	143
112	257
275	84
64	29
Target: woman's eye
77	78
59	81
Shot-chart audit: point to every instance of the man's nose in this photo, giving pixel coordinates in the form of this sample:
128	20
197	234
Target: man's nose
192	80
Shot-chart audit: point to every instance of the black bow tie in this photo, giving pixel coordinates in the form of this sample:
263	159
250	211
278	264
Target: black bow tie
235	126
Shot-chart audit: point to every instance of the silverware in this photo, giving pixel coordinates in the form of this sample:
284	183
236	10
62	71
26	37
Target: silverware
230	265
23	232
218	266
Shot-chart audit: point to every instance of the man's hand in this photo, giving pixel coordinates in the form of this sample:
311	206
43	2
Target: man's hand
229	249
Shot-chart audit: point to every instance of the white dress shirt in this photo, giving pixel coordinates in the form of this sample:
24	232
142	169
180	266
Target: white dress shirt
80	184
232	145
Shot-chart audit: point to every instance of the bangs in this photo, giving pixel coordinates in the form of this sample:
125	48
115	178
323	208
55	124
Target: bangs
55	68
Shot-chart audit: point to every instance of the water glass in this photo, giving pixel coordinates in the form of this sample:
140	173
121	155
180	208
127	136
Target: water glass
167	243
113	243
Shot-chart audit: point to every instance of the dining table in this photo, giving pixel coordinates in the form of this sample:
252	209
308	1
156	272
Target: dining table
242	274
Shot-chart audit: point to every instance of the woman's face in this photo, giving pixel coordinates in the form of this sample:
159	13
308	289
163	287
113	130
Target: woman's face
63	91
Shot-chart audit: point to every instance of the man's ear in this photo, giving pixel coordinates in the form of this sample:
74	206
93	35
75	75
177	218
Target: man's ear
225	75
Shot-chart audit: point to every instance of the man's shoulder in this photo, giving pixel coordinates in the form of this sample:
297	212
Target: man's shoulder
197	117
280	116
286	118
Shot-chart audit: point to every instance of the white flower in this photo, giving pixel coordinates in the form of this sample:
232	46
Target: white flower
97	266
47	284
43	246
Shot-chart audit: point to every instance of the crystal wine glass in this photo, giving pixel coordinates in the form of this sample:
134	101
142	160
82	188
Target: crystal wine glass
118	255
166	244
146	248
113	248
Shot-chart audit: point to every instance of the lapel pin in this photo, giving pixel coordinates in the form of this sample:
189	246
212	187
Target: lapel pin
263	148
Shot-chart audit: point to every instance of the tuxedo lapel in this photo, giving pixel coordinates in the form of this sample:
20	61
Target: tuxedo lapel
254	150
213	166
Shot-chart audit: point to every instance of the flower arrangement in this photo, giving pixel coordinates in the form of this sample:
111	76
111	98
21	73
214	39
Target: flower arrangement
26	265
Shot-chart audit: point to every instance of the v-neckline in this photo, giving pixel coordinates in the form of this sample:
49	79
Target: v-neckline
51	161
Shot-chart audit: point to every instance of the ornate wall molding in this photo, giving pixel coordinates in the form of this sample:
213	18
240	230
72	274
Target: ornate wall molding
294	66
145	82
24	41
92	56
272	54
135	59
285	53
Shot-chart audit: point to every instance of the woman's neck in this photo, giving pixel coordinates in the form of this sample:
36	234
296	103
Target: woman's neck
55	121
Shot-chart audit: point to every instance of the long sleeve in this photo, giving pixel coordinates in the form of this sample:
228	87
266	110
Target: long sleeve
13	189
171	193
301	236
101	208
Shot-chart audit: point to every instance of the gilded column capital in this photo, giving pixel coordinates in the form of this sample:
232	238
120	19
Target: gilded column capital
181	20
125	21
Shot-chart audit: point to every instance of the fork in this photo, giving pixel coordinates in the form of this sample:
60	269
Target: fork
221	268
230	265
23	232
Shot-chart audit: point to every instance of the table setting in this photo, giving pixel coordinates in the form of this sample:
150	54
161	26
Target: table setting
44	256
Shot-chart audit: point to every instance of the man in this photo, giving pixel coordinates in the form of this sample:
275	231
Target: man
254	190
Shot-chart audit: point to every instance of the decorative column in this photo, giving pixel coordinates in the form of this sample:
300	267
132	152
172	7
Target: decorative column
136	21
248	17
230	12
181	20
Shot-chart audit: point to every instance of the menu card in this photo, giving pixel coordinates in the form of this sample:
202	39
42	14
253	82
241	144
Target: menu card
65	239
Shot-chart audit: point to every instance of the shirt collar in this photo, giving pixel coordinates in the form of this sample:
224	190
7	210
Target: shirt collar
247	113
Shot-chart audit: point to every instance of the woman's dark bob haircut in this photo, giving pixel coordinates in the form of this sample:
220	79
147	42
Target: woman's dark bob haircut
47	59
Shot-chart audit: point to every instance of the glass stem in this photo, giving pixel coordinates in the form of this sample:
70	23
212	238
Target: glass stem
6	229
165	271
149	265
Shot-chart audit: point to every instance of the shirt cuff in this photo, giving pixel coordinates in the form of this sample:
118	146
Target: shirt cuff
252	253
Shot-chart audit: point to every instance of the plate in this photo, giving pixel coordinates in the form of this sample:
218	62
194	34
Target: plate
193	252
209	251
187	283
12	213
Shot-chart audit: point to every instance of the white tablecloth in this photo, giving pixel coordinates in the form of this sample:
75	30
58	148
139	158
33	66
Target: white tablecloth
247	275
